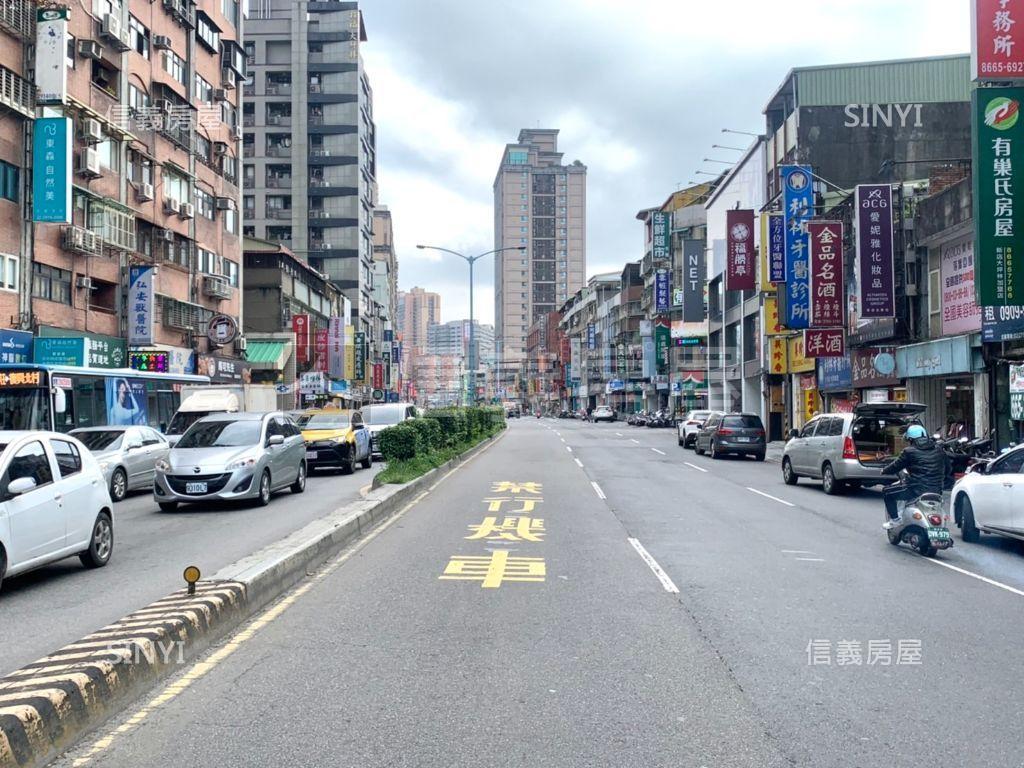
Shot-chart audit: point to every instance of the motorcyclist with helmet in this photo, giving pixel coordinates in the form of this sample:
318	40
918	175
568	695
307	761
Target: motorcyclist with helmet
929	468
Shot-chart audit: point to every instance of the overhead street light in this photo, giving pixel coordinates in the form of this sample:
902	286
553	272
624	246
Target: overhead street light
715	160
742	133
471	260
722	146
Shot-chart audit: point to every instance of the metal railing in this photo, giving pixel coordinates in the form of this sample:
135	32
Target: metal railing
279	151
19	17
17	93
278	89
278	213
279	182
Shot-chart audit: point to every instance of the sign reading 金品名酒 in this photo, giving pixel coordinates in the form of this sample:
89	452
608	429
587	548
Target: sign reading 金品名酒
997	46
826	264
998	175
876	287
51	169
798	199
739	265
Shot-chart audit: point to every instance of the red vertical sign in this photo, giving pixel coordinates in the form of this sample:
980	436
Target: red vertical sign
300	325
740	258
378	376
997	40
827	289
320	349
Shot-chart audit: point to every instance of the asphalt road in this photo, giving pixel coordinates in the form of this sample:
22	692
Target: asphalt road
382	663
50	607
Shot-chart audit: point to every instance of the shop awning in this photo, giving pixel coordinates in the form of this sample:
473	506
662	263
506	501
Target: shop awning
270	355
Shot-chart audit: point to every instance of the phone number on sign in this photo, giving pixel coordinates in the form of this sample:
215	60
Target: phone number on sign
1002	67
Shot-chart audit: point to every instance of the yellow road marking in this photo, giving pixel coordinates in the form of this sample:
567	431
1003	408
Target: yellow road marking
200	669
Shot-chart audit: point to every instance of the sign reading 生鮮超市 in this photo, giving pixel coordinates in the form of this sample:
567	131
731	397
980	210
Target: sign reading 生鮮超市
998	172
660	248
798	199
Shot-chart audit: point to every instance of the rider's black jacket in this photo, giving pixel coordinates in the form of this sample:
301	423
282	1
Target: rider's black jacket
930	468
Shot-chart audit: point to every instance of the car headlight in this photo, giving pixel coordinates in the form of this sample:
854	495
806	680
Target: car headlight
248	461
162	465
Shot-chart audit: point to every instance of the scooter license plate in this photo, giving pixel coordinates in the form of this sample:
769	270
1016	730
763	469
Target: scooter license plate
938	534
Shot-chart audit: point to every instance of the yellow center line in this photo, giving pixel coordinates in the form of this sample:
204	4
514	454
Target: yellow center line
200	669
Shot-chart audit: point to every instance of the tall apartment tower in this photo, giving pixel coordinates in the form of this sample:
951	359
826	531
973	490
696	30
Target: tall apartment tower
417	310
539	204
309	143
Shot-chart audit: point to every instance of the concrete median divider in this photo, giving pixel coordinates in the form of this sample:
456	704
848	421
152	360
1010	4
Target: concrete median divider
50	704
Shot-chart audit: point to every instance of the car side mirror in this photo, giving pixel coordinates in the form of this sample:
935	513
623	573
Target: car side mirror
60	402
275	440
20	485
134	446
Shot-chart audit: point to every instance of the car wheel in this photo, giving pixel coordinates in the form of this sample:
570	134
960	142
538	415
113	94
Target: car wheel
264	491
167	506
829	484
697	449
759	457
118	485
300	482
968	529
714	451
349	467
3	567
101	544
894	538
368	461
789	477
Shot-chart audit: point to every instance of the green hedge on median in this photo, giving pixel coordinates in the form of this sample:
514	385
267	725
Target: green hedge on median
400	442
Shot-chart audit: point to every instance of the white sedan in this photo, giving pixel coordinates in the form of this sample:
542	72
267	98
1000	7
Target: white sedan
992	500
54	503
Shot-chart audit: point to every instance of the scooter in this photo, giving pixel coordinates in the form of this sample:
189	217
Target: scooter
922	523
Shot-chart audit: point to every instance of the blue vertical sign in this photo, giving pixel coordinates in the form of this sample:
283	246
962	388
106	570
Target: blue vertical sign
51	170
662	290
591	336
798	197
140	306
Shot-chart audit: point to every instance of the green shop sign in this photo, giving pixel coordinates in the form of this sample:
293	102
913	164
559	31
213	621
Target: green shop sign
998	179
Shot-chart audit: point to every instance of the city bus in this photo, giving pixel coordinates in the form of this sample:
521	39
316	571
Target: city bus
63	397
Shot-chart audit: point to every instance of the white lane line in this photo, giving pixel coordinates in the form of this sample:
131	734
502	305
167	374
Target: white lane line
635	440
657	451
578	463
558	433
811	559
619	434
597	489
694	466
979	577
562	439
769	496
568	448
796	552
666	582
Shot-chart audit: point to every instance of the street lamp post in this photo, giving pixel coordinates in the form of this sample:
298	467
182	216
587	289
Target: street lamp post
471	260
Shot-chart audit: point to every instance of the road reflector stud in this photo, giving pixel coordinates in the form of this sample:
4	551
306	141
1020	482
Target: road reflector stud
191	575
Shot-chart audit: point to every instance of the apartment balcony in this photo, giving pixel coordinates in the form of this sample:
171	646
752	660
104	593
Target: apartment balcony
17	93
19	18
278	89
279	120
279	151
279	182
248	121
248	150
283	214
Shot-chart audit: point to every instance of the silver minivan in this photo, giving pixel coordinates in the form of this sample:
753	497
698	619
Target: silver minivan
848	450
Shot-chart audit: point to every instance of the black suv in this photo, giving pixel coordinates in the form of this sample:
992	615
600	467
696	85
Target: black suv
738	433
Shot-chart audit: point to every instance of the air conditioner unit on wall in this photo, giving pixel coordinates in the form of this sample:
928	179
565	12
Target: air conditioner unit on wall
171	205
89	164
90	49
92	130
161	42
83	282
227	78
144	192
188	211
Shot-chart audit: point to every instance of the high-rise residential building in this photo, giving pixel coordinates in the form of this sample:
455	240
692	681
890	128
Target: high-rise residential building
134	111
540	204
309	141
417	310
385	265
452	338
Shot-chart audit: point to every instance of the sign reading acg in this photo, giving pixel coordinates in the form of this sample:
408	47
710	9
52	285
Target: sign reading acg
883	115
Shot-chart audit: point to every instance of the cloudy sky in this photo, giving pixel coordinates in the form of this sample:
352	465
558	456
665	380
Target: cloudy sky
639	90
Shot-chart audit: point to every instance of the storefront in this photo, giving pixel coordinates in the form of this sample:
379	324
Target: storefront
948	376
805	398
689	391
835	382
225	370
15	347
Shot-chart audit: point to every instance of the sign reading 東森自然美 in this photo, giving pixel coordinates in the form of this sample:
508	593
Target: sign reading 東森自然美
998	172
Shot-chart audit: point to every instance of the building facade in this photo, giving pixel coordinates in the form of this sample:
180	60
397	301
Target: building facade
539	206
418	309
136	163
310	142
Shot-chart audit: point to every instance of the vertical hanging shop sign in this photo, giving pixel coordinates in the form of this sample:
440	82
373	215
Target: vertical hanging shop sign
359	374
51	169
336	347
739	269
320	345
140	305
662	290
998	173
591	336
824	342
694	268
876	273
826	263
51	51
776	248
798	197
997	45
300	326
660	249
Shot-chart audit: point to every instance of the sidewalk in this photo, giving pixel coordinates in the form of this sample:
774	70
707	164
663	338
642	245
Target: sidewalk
773	451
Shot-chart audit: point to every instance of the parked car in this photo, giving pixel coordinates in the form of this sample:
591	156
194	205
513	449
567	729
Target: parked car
564	413
990	498
379	417
337	439
848	450
229	456
736	433
54	503
127	455
690	425
603	413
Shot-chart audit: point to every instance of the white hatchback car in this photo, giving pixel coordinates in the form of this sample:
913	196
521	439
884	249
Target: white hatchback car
54	503
992	500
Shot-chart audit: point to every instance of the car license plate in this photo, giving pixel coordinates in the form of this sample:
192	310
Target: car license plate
938	534
310	454
744	439
195	487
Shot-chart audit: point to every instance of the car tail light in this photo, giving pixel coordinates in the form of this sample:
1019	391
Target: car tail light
918	516
760	433
935	519
725	431
849	452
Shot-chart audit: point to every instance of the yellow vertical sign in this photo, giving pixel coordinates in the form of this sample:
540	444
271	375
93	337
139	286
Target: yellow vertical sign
772	324
778	361
350	352
810	404
798	361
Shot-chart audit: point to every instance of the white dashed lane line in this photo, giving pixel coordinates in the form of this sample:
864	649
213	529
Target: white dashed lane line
578	463
635	440
657	451
769	496
598	491
568	448
663	577
694	466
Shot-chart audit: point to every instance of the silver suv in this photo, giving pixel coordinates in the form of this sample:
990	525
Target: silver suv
848	450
